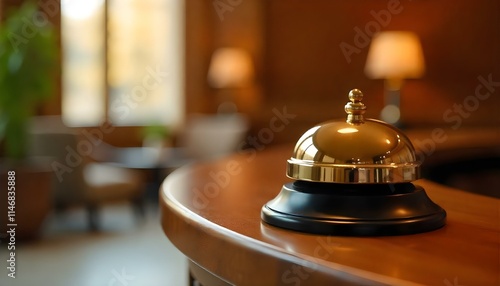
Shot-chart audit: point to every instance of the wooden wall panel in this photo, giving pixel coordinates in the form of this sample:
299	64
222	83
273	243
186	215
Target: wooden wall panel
211	25
307	71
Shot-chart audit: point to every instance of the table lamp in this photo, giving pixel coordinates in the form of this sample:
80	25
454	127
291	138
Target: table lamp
394	56
230	69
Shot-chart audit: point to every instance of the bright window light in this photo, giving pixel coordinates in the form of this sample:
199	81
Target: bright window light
80	9
145	62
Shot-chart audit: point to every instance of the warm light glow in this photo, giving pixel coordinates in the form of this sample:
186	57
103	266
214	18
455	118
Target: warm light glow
401	211
395	55
230	67
142	83
390	114
80	9
83	76
347	130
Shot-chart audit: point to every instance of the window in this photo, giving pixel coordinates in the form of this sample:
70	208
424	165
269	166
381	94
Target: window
131	72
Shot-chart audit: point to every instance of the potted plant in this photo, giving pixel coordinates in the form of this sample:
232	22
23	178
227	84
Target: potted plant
28	66
156	135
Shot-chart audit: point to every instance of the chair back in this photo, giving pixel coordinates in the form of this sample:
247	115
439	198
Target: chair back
49	137
213	136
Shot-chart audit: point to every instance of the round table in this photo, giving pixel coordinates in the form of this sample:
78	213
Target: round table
211	213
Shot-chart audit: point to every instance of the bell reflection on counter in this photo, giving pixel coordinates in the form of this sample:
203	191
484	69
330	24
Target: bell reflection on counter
354	177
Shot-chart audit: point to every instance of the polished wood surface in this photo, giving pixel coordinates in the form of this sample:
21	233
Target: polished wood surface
211	212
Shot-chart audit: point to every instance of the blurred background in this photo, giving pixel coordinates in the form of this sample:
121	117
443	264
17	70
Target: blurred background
101	99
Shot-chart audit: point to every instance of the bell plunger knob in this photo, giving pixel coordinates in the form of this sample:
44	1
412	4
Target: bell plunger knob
355	109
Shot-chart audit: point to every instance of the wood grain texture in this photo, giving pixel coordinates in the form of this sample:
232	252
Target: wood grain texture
211	212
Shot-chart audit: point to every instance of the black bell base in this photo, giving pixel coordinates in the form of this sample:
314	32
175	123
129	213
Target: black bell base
354	209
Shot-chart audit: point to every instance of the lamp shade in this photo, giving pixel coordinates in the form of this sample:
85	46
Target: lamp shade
395	55
230	68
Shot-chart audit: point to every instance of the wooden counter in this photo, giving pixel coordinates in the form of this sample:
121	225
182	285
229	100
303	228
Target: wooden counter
211	212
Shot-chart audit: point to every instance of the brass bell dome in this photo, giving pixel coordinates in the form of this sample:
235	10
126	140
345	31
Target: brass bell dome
353	177
356	150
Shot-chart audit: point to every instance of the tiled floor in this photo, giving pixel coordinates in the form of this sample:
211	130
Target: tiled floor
127	252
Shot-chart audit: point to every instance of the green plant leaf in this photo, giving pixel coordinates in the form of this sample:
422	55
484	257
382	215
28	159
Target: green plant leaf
28	66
